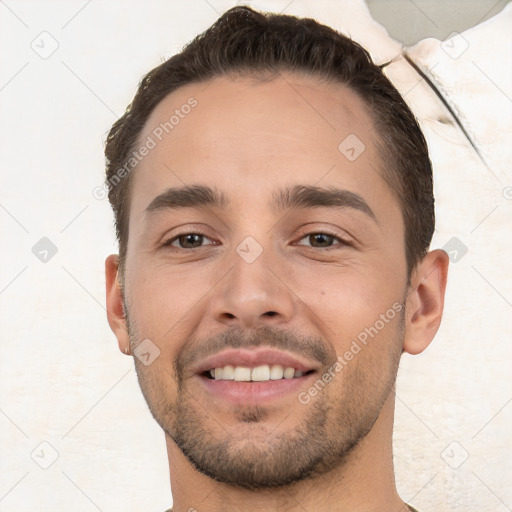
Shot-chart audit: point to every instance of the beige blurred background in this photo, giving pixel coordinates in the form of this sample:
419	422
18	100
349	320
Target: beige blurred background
75	431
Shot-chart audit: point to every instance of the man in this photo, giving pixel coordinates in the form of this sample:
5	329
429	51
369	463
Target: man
273	204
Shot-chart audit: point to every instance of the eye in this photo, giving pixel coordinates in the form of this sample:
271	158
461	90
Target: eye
194	240
324	240
191	240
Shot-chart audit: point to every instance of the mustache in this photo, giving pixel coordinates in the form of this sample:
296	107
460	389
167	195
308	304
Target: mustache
312	347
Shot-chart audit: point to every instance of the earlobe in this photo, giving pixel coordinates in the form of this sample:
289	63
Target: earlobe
115	306
425	301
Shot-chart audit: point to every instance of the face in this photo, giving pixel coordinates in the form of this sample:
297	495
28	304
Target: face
265	277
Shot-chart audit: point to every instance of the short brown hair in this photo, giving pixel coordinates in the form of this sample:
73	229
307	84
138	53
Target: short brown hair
257	44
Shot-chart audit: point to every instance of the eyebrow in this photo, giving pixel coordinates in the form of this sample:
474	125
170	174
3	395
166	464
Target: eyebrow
298	196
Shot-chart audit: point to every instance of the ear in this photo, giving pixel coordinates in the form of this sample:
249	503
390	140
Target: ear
425	301
115	307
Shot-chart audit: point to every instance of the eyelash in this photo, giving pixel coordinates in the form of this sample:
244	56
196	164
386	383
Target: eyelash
342	241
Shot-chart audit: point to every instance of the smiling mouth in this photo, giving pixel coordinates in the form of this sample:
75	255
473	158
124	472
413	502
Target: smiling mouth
260	373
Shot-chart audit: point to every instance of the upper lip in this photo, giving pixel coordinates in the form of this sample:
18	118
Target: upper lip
255	357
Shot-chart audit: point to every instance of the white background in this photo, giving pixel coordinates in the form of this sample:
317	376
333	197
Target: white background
64	382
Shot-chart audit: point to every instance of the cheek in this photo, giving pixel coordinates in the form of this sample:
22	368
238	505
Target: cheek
347	300
166	301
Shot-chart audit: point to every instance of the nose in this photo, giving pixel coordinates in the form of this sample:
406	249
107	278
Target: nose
253	294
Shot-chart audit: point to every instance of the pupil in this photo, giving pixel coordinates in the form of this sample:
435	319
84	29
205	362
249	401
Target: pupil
190	238
325	237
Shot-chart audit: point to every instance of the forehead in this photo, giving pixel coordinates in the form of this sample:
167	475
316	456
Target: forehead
246	137
305	111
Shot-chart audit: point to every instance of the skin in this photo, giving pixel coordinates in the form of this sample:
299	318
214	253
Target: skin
248	139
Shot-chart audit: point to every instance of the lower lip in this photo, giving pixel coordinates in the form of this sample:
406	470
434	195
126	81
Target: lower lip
241	393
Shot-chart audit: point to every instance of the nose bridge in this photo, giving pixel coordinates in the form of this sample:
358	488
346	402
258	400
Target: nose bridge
252	292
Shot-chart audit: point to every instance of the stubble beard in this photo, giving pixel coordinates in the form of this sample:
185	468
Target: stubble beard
323	440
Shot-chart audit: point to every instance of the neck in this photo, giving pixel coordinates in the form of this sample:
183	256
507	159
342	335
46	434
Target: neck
363	482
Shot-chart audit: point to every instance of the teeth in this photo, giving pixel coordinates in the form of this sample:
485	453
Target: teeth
276	372
242	373
289	373
260	373
228	372
256	374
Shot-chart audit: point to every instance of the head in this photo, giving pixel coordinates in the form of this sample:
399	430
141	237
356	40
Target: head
307	182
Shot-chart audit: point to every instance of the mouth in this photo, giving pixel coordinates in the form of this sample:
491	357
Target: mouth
250	377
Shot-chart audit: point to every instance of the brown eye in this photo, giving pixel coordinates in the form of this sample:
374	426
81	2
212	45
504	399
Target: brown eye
187	241
323	240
